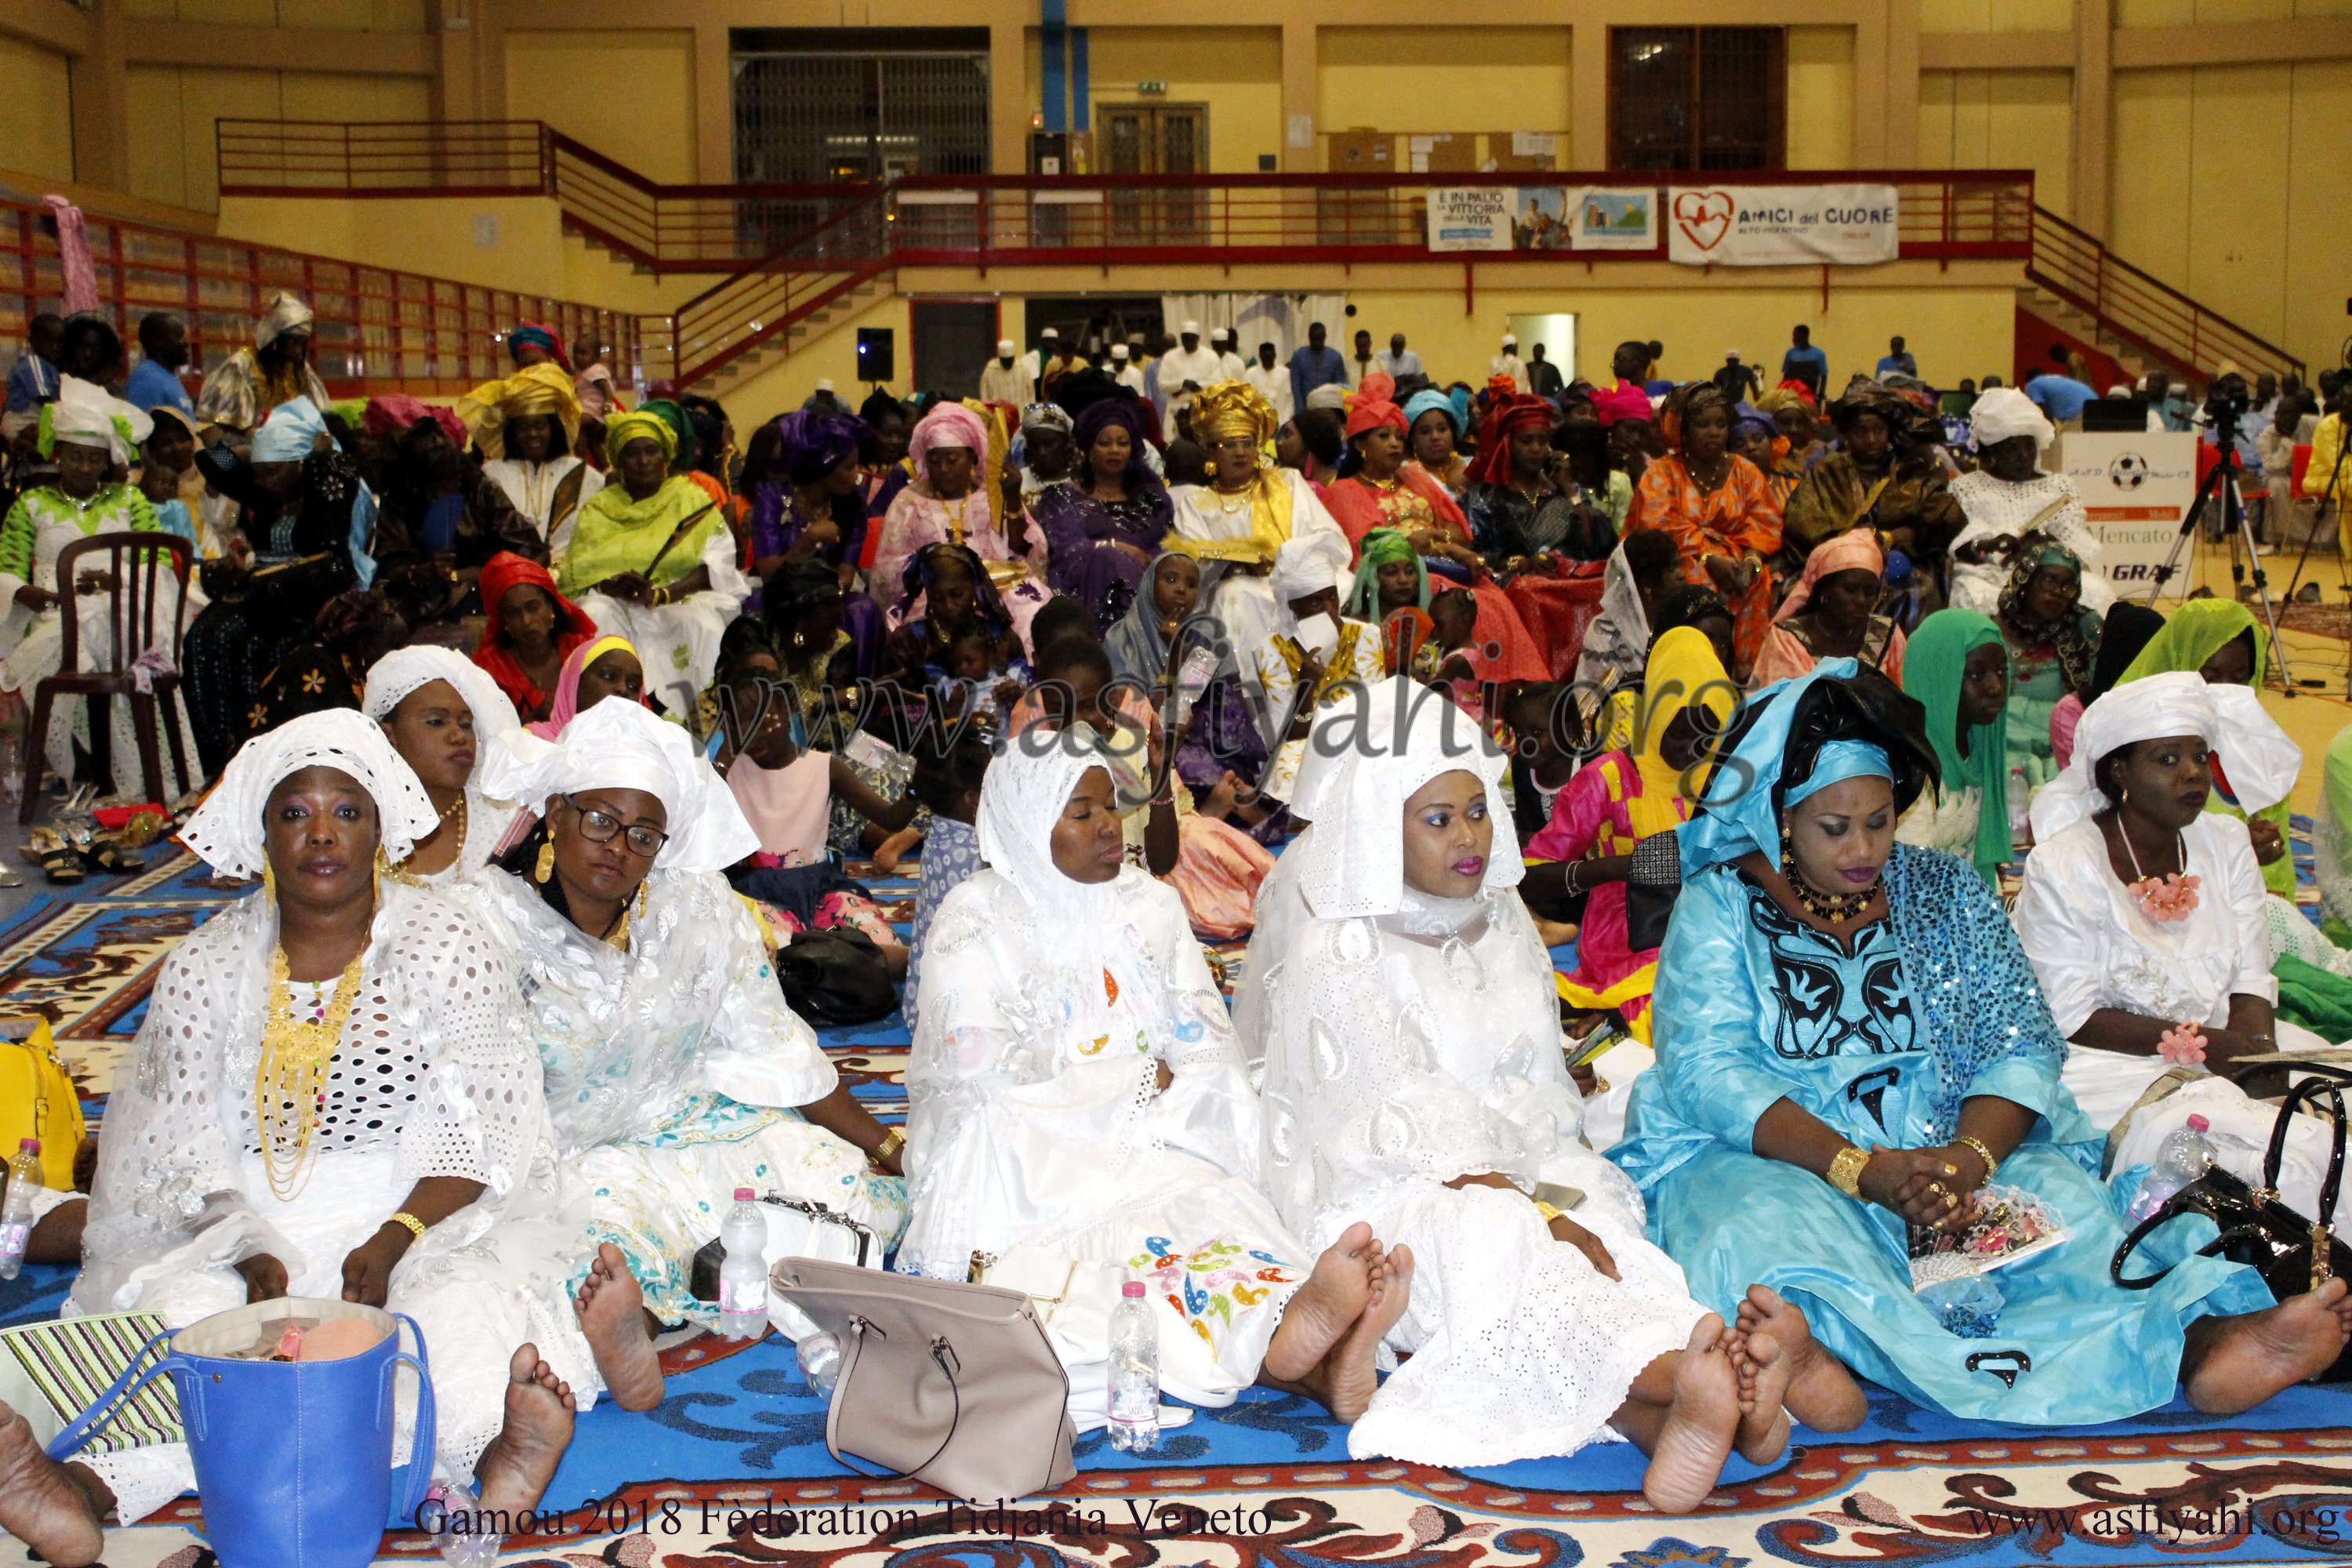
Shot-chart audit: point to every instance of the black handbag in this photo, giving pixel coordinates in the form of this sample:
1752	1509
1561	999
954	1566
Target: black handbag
1652	885
2292	1253
834	977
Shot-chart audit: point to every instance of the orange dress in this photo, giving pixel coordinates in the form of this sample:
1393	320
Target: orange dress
1738	517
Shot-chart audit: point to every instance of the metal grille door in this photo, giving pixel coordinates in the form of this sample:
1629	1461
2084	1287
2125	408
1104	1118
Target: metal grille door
811	116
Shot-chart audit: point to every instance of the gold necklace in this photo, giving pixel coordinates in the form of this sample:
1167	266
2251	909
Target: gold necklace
400	873
290	1081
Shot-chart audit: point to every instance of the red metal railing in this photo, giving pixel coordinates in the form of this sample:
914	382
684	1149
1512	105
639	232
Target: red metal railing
2152	316
663	227
378	329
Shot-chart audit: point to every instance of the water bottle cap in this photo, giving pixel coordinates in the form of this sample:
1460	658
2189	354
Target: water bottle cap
744	1195
1132	1290
29	1145
2198	1124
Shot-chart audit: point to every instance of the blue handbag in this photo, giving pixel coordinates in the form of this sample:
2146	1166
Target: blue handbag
293	1459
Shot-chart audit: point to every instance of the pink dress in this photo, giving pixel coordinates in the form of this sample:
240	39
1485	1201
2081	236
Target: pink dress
916	519
1784	656
1592	817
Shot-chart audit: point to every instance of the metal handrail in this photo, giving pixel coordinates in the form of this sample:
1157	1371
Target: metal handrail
2142	310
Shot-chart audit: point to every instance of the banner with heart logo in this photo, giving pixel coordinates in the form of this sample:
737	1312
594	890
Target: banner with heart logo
1781	226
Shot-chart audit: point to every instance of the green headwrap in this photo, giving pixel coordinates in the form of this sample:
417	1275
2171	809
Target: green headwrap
1935	666
2194	633
1379	547
670	414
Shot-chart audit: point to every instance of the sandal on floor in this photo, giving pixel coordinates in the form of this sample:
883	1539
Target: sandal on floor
49	850
112	858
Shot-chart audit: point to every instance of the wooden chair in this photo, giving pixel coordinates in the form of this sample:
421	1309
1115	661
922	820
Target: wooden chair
136	619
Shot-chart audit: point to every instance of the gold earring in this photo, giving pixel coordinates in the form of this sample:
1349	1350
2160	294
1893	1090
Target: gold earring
268	882
644	891
546	866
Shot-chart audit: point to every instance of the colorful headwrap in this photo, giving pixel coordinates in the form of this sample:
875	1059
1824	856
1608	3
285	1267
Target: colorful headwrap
290	432
2076	653
1770	404
1749	414
1380	386
672	413
394	413
1382	547
639	424
1857	550
1935	668
1519	411
811	443
1427	398
544	337
1675	414
1234	408
539	389
87	414
1907	423
1131	415
283	315
566	706
1043	417
1366	413
1621	402
947	425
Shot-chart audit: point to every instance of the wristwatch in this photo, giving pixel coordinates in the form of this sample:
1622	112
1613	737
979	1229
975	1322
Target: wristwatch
1845	1171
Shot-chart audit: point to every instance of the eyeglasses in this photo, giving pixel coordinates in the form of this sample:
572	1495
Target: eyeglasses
600	826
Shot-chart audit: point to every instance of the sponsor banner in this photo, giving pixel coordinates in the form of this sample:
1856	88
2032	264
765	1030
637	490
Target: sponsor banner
1607	219
1780	226
1470	217
2136	489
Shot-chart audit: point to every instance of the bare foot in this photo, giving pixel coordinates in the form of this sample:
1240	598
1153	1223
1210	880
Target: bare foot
513	1471
1695	1438
40	1504
1332	1297
1821	1393
2235	1364
1764	1371
1350	1375
612	1315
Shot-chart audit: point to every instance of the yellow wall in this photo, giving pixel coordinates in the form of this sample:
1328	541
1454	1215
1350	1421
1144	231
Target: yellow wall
629	95
2218	190
777	386
354	15
1821	97
1443	79
36	86
1997	16
2002	120
1236	71
172	110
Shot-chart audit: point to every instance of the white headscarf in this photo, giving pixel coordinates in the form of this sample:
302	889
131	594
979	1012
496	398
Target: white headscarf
2258	758
226	830
288	436
1405	734
398	674
1308	566
2148	709
87	414
284	314
1020	797
620	746
2003	413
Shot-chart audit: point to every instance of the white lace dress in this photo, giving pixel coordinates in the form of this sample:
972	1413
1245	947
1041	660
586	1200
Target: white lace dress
2092	947
488	823
1405	1050
1996	507
1034	1121
672	1073
433	1077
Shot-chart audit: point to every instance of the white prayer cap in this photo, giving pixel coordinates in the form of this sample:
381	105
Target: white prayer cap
226	830
2148	709
86	414
393	679
621	745
1330	395
824	383
1020	797
1367	756
1051	333
1005	348
1219	335
1119	351
2257	757
1307	565
1731	356
2003	413
2121	389
283	315
1189	330
1510	341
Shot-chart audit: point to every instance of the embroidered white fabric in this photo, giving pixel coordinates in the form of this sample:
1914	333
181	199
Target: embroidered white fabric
434	1077
620	746
227	829
1994	507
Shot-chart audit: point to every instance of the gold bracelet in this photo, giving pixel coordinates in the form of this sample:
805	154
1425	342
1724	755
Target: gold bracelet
892	1141
415	1227
1845	1171
1991	1164
1550	1213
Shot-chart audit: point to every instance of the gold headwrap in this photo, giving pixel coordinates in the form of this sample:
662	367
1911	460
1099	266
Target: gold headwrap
1237	408
1232	408
542	388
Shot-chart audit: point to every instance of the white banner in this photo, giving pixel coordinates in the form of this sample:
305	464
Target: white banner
1605	219
1779	225
2136	489
1470	217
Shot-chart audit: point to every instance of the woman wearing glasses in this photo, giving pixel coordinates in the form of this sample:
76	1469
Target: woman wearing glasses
674	1072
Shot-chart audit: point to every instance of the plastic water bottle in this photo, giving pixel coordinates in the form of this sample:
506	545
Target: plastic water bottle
742	1272
1134	1372
2019	813
2183	1157
820	1359
17	1210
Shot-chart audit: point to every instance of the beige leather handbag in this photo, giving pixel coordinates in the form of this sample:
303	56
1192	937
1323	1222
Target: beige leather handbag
956	1385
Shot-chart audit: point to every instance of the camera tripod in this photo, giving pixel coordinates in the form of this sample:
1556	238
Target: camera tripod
2221	484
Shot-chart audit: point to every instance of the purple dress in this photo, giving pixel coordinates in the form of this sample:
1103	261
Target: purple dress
776	524
1081	536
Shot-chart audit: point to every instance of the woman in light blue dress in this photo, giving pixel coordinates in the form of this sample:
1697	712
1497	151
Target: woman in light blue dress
1850	1040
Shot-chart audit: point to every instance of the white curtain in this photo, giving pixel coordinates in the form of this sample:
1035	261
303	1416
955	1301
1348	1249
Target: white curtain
1281	320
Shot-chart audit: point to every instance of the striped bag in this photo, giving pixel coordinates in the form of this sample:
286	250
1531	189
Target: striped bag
53	1372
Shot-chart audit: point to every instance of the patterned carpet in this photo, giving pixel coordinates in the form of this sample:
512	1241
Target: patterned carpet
1266	1483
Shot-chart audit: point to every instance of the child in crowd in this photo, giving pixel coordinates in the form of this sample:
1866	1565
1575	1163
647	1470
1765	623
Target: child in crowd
948	781
1445	658
979	682
787	796
1311	654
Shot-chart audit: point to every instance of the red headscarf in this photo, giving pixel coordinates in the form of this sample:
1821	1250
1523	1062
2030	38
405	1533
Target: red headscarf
573	628
1366	412
395	414
1623	401
1518	411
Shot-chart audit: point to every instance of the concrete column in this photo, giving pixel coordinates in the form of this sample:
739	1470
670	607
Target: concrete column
2095	84
1302	66
101	103
1008	97
1588	93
